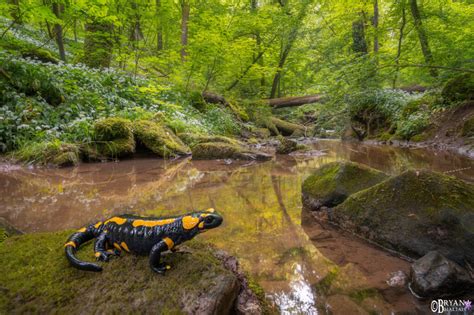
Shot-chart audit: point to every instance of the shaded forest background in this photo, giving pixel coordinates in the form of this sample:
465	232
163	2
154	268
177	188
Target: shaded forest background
373	65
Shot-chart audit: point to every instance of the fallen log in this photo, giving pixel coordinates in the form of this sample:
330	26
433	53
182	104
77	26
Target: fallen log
287	128
214	98
295	100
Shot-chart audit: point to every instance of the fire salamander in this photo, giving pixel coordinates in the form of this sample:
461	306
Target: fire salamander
139	235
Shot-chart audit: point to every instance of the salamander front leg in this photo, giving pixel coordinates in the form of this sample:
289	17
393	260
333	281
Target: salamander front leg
100	248
155	257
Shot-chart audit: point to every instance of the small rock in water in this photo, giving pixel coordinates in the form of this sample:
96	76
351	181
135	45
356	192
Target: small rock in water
398	279
227	161
433	275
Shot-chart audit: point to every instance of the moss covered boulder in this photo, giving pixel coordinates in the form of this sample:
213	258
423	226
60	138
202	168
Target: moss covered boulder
159	139
113	139
459	88
332	183
35	277
221	150
414	213
192	139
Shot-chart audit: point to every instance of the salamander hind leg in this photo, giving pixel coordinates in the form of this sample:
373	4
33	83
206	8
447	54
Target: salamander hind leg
155	258
100	248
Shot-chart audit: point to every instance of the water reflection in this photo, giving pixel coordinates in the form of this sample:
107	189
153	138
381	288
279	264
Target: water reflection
261	203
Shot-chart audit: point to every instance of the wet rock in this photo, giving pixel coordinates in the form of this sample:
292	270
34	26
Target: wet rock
435	276
414	213
398	279
220	150
247	301
159	139
36	278
286	146
332	183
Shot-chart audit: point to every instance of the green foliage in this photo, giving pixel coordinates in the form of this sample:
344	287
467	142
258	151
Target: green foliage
54	152
460	88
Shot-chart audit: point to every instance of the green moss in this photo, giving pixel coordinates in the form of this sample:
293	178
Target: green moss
113	128
287	128
332	183
36	278
420	137
414	213
113	139
384	136
159	139
192	139
49	153
325	284
468	128
459	88
239	111
197	101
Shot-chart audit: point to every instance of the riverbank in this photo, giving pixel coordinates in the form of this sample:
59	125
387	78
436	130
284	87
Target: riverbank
37	278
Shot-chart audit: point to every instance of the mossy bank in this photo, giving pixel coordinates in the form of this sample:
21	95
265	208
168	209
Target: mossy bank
36	278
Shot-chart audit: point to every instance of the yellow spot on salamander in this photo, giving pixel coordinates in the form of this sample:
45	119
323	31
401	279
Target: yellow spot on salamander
189	222
124	246
97	254
117	220
117	246
169	242
71	243
151	223
204	215
211	210
201	225
82	230
98	224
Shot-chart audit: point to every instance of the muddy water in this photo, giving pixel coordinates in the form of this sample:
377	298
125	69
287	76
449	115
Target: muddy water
304	267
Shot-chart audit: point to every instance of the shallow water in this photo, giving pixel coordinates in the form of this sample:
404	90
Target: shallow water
286	252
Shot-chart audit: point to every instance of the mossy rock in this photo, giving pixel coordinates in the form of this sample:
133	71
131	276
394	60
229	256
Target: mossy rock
159	139
54	153
286	146
35	277
468	128
113	139
332	183
221	150
192	139
459	88
414	213
287	128
113	128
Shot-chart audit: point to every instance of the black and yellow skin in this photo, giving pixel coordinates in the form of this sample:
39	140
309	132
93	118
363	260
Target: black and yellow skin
139	235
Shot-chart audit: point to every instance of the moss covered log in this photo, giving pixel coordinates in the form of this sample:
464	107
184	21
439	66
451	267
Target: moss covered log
35	277
221	150
288	129
332	183
192	139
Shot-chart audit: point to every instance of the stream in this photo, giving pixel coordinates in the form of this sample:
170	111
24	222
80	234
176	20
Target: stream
285	251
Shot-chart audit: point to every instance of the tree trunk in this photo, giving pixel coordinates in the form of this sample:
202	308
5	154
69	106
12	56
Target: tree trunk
258	40
425	48
185	9
159	29
359	44
376	26
295	101
58	9
98	44
400	40
287	48
15	12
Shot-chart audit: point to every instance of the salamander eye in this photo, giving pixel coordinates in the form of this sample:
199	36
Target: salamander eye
208	219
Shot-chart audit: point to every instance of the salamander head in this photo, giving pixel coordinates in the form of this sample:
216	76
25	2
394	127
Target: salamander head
202	221
209	219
